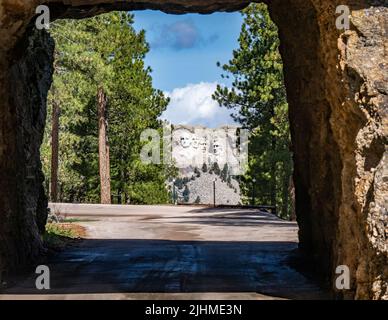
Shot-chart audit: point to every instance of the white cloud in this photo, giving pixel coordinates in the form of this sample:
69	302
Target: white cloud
194	105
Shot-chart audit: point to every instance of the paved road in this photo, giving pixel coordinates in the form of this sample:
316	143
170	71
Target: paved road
164	252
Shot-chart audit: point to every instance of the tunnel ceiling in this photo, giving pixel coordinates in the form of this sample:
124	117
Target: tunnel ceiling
16	14
80	9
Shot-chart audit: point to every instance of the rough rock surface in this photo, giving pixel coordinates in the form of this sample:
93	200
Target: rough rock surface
202	187
23	203
337	90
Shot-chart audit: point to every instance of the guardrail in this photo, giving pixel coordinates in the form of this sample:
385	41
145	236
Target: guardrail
271	209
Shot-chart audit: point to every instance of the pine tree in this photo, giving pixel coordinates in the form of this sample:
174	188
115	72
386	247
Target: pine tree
103	147
215	168
104	52
54	150
225	172
197	172
258	99
186	194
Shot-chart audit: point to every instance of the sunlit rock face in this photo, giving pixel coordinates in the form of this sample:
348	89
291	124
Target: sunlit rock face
194	146
337	90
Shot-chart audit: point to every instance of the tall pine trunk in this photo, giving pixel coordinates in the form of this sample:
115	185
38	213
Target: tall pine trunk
286	187
292	198
273	174
273	163
54	151
103	147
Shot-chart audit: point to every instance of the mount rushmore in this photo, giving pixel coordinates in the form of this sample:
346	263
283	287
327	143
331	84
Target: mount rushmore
206	157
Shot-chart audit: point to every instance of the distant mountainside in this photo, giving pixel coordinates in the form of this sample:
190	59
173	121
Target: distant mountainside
203	156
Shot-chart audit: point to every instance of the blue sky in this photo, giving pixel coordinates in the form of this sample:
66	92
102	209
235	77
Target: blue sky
183	56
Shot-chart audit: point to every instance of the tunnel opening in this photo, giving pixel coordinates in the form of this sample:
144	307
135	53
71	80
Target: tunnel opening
72	132
334	117
204	133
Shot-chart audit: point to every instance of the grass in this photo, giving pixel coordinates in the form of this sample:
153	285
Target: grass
57	229
73	220
59	235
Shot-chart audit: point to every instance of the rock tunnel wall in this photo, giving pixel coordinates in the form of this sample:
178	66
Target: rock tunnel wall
337	88
338	94
23	203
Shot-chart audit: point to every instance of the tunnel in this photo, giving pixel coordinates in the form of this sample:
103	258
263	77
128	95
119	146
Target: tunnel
337	90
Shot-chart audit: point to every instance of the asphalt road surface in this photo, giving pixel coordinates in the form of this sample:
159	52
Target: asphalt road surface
174	252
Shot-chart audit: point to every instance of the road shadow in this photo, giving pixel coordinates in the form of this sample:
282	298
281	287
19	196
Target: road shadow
231	217
162	266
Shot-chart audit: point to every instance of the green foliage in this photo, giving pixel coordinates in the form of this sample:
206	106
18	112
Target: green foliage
179	183
58	236
197	172
186	194
146	184
258	99
54	229
215	168
225	172
104	51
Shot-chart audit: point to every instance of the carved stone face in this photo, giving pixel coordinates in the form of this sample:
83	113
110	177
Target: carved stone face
203	144
185	140
217	148
195	142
